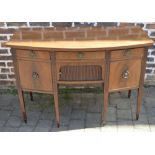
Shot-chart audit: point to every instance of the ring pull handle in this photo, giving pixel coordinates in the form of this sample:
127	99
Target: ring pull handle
60	73
33	54
126	52
80	55
125	74
35	76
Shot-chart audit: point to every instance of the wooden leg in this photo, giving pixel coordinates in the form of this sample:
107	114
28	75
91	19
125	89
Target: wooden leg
20	92
139	102
55	87
22	105
106	88
56	106
129	93
140	89
31	96
105	109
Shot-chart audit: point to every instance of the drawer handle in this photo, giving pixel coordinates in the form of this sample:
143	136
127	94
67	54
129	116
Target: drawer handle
35	76
60	74
80	55
125	74
126	52
33	54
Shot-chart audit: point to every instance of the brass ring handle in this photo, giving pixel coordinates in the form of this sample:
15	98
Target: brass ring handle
35	75
32	54
80	55
125	74
59	75
126	52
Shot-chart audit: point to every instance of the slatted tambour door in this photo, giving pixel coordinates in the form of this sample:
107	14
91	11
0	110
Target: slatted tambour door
80	73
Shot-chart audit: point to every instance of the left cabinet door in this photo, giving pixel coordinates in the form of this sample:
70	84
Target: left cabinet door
35	75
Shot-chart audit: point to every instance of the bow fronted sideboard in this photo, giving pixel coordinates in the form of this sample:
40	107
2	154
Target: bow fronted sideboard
45	58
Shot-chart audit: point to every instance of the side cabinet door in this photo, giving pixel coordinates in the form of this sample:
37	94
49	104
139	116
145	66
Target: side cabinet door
35	75
124	74
125	69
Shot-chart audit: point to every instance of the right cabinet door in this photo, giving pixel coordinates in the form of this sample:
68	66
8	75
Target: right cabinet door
124	74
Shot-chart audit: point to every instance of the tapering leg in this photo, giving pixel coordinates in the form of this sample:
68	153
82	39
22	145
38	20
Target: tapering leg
56	106
139	102
31	96
22	105
55	87
20	92
105	108
106	88
129	93
141	83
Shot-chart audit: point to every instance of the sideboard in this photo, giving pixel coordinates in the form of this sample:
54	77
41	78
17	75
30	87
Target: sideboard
45	58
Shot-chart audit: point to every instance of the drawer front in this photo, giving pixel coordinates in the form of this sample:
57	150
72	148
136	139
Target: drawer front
32	54
127	53
35	75
79	55
124	74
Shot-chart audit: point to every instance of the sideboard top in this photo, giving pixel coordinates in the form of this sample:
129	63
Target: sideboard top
79	38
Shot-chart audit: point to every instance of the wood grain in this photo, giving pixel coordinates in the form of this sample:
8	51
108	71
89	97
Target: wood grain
71	63
127	54
106	87
141	83
80	55
19	88
46	58
32	54
116	74
79	45
42	82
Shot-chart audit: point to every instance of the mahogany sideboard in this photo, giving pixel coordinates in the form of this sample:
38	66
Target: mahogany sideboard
45	58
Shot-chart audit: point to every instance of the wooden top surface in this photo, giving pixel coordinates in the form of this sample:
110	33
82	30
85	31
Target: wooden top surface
74	45
79	38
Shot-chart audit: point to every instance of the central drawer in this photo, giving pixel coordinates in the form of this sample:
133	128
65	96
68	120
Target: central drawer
35	75
80	55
